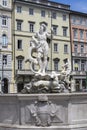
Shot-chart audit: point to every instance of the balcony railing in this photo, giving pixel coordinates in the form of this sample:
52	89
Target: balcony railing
79	54
29	72
78	73
24	72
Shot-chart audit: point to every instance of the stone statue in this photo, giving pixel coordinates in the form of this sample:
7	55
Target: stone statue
65	73
42	81
66	68
39	42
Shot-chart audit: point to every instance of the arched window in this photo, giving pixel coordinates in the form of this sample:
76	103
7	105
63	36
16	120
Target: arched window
4	40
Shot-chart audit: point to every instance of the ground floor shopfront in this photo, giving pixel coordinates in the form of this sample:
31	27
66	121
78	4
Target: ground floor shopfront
80	82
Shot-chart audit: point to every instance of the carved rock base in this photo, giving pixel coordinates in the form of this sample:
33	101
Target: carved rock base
43	112
17	127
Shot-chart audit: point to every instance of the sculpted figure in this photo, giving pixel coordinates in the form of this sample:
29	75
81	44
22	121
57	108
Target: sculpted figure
66	68
65	73
43	111
39	42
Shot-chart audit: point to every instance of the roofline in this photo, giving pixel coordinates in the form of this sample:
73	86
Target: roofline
78	13
48	6
59	3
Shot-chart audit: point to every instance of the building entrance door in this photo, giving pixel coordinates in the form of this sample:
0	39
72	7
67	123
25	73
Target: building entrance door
5	85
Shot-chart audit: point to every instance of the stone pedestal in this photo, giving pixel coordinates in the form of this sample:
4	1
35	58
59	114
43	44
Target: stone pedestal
57	112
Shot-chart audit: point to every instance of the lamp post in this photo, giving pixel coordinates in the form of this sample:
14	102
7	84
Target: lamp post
86	73
2	82
1	78
50	17
86	79
51	38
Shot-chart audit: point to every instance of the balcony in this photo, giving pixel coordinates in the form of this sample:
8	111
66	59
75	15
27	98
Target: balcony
78	54
24	72
80	73
29	72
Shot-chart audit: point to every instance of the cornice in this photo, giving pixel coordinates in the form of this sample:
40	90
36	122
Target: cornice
72	12
5	8
45	5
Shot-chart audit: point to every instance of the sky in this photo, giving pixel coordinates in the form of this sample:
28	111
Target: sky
77	5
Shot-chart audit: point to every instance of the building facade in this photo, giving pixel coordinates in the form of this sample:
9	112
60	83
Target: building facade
27	16
79	48
5	46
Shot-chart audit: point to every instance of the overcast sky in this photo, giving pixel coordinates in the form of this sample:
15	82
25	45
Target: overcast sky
77	5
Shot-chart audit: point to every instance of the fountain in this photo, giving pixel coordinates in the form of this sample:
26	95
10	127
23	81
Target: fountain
47	102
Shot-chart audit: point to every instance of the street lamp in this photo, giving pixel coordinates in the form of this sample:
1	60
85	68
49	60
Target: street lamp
50	16
86	74
86	79
51	41
2	82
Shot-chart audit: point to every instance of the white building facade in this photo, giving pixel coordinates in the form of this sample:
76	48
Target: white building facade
5	46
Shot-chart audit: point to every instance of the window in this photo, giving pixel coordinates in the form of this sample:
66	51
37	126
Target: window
84	21
81	20
78	20
75	48
4	40
19	44
54	15
19	25
86	35
81	34
31	11
43	13
65	31
55	47
82	48
65	48
19	9
20	62
56	64
4	20
4	2
64	17
74	19
82	65
76	65
31	26
4	59
75	33
55	29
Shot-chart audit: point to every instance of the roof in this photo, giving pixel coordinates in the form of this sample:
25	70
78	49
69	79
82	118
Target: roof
78	13
47	3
